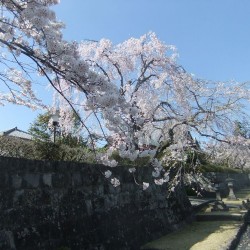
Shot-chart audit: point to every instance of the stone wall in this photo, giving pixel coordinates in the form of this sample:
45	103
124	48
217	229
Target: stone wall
62	205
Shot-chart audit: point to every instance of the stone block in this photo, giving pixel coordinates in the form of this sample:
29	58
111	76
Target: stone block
60	180
16	181
18	194
31	180
219	206
47	179
7	240
89	207
98	190
76	179
4	180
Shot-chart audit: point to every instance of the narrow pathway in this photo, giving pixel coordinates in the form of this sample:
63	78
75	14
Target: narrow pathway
214	230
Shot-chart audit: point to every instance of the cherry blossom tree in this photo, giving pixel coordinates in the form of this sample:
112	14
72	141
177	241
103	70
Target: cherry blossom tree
133	95
160	104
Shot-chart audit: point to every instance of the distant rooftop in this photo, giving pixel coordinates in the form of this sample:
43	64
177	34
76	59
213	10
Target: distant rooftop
15	132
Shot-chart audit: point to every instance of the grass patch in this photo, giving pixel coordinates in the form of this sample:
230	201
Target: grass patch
218	168
243	194
206	235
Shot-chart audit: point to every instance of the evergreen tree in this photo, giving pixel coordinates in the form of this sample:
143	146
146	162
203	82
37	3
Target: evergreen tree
42	132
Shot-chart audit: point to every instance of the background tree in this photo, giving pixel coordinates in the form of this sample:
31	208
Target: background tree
68	146
236	152
242	129
17	147
42	130
40	127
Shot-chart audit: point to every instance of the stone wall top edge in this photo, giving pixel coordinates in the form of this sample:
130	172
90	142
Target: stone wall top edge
11	164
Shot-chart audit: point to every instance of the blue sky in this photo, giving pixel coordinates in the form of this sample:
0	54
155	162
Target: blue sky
212	36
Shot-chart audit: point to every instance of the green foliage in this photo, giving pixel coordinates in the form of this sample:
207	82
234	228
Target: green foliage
140	162
68	147
205	164
62	152
163	150
46	150
198	159
242	129
43	150
210	167
15	147
193	158
71	140
41	132
76	154
39	128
